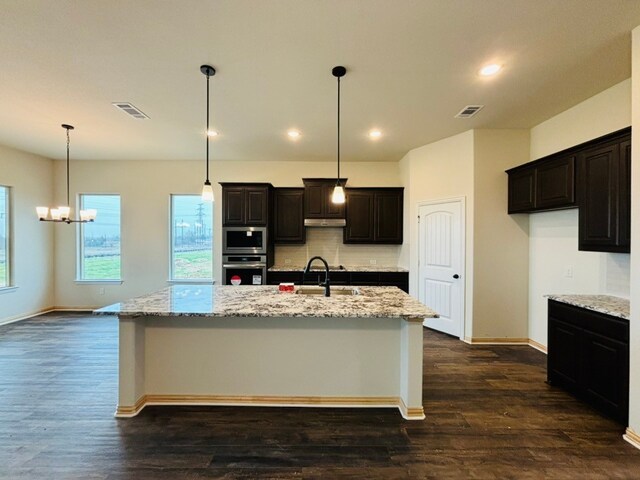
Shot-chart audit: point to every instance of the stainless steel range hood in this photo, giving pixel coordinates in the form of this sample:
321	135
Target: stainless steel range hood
325	222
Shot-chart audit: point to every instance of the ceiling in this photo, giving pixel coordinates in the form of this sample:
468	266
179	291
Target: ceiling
412	65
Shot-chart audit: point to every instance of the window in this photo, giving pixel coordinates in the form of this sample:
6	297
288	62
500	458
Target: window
5	273
191	238
100	240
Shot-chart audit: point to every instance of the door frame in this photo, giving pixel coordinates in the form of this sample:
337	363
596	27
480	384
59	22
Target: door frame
463	250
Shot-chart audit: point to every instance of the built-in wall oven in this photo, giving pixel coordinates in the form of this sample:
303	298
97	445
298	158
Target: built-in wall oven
244	240
244	269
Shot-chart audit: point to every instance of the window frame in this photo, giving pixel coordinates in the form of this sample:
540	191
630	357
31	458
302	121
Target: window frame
172	280
8	222
80	243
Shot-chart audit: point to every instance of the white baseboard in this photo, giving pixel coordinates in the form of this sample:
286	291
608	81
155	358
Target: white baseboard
632	437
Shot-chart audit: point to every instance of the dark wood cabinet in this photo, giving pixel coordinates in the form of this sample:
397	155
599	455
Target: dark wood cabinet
604	196
317	198
588	354
374	215
289	216
275	278
522	190
245	204
546	184
360	216
390	279
595	177
555	183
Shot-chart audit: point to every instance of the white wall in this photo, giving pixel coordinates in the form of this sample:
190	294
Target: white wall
145	187
553	246
634	397
443	169
29	177
501	241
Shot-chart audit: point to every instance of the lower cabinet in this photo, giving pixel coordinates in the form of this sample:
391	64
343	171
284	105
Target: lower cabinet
383	279
588	354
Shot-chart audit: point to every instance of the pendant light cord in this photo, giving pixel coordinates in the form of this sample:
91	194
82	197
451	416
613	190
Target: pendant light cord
338	180
207	132
68	141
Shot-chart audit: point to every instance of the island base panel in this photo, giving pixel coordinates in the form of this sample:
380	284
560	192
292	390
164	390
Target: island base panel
322	362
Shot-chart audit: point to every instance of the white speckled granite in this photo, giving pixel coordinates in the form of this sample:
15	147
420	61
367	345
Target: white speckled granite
610	305
266	301
347	268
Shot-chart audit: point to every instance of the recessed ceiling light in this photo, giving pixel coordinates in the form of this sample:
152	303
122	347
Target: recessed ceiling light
489	70
293	134
212	133
375	134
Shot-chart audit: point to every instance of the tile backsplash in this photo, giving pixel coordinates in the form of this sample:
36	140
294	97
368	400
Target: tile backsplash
327	242
618	274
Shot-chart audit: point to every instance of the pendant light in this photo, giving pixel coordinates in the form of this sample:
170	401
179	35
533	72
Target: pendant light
207	190
62	214
338	190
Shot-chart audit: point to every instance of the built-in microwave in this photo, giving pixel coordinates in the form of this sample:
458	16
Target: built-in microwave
244	240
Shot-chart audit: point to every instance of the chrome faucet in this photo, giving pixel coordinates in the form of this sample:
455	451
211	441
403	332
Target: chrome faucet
327	290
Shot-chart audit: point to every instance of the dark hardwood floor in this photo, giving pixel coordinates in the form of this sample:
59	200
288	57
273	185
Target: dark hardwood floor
490	415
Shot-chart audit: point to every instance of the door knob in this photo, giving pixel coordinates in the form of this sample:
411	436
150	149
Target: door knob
456	276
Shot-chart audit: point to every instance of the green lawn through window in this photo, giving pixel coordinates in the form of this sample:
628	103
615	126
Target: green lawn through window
195	264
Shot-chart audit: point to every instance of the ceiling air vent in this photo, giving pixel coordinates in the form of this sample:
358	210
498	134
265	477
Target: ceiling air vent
469	111
129	109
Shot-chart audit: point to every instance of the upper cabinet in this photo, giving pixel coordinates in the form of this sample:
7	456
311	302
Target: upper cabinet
245	204
289	216
374	215
595	177
604	196
546	184
317	198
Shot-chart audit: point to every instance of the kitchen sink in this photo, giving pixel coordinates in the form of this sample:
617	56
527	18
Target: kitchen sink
320	291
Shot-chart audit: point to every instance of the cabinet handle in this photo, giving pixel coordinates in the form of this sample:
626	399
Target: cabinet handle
456	276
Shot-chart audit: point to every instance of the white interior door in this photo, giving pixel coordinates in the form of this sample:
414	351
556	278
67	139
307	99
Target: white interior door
441	282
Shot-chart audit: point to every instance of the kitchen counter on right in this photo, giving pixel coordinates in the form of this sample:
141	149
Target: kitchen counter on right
607	304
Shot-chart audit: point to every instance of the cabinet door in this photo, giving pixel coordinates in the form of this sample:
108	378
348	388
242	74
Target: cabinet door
598	191
388	217
365	278
289	216
275	278
331	210
313	201
624	198
360	217
564	354
521	190
233	205
606	382
257	205
555	183
395	279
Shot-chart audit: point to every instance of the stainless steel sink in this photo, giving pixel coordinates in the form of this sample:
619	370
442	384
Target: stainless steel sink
320	291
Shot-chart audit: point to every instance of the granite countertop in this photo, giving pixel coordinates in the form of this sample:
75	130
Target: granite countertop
266	301
339	268
608	304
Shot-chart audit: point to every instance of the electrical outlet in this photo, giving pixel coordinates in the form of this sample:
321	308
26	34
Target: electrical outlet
101	291
373	261
568	272
287	261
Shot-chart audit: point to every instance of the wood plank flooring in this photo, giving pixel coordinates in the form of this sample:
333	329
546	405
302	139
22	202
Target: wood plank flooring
490	415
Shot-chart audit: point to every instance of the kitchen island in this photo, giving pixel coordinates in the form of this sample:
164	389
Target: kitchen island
253	345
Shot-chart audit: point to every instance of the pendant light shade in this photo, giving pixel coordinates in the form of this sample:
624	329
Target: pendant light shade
338	191
338	194
62	213
207	190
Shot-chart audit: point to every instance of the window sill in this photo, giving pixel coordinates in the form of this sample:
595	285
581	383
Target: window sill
98	282
8	289
191	282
